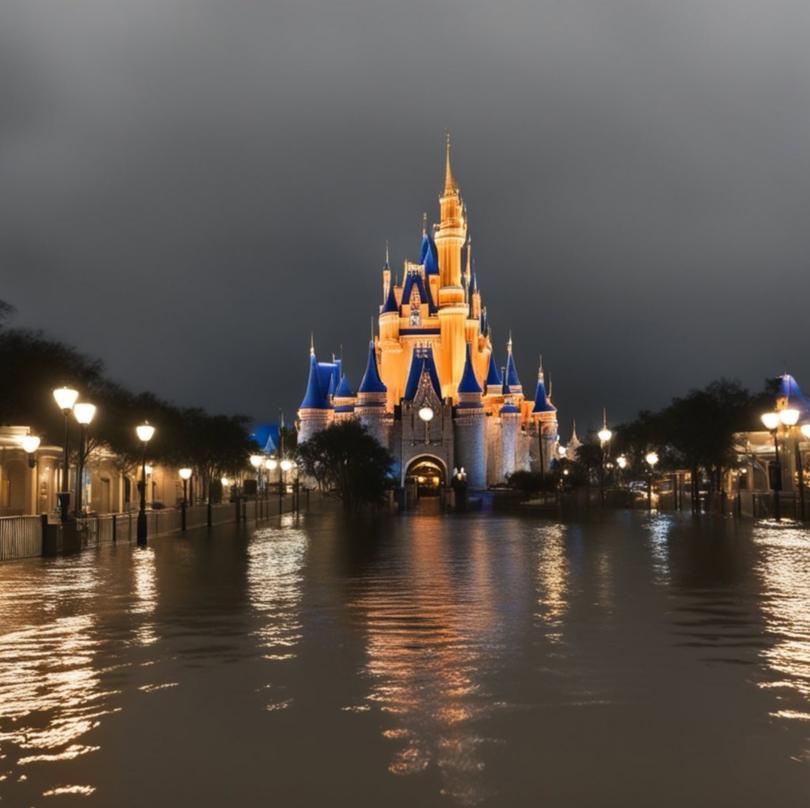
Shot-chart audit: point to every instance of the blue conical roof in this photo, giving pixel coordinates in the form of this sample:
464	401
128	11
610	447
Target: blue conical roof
468	383
314	398
390	301
428	255
344	390
372	383
511	371
541	402
493	380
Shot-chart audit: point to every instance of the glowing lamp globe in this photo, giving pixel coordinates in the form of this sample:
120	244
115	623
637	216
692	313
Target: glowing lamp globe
271	463
770	420
30	443
65	398
604	435
806	430
84	413
651	458
789	416
286	465
256	461
621	461
426	414
185	473
148	469
145	432
225	481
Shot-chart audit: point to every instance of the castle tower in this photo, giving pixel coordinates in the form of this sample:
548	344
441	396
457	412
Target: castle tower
315	412
510	420
544	416
370	402
469	420
343	400
449	239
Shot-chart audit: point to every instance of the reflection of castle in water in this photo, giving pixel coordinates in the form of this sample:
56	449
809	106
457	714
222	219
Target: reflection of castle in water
433	390
434	640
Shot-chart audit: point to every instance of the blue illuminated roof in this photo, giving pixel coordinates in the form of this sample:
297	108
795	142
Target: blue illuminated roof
493	379
422	361
344	390
314	398
541	402
390	301
468	383
511	372
372	383
415	279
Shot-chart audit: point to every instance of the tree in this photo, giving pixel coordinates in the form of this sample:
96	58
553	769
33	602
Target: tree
345	457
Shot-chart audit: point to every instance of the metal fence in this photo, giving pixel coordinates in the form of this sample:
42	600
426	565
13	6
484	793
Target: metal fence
20	537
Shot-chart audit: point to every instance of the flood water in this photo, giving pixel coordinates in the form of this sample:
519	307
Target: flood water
418	661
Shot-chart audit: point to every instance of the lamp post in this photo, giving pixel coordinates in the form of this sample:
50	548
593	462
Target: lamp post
285	466
84	414
257	461
30	444
604	436
185	476
805	431
652	460
771	421
65	398
426	414
145	432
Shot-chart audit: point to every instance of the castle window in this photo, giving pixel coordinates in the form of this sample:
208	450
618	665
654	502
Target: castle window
416	317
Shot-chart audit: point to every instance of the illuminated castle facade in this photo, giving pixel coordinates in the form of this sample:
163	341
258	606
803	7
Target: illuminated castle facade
433	391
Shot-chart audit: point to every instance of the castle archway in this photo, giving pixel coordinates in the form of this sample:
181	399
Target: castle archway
426	475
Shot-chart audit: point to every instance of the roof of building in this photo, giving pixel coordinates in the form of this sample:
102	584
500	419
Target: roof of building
415	279
511	371
789	389
390	301
329	376
468	383
428	255
344	390
422	362
509	407
541	402
314	397
493	379
372	383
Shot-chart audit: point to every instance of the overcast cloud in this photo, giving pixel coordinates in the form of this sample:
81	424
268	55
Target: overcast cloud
188	188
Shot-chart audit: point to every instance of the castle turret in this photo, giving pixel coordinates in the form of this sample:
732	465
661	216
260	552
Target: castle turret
315	412
343	400
370	401
544	416
469	420
450	238
510	420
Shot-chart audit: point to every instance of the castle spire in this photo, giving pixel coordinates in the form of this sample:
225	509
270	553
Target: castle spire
387	264
312	343
468	271
424	223
509	343
450	186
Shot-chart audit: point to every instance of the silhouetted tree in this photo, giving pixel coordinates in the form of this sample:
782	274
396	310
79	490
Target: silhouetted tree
346	458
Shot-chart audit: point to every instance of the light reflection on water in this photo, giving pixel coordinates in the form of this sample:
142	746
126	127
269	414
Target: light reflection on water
480	660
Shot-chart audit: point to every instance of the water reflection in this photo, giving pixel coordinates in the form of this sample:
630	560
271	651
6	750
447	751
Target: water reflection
434	637
785	571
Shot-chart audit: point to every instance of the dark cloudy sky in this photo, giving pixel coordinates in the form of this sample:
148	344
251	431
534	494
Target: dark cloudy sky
187	188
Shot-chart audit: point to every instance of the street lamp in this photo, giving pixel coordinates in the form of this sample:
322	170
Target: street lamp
145	433
30	444
84	414
426	414
185	476
652	460
789	417
65	398
771	420
604	435
257	461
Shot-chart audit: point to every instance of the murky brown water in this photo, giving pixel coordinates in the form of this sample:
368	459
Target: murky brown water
481	660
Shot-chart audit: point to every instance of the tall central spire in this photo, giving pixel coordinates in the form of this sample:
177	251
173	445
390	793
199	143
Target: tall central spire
450	186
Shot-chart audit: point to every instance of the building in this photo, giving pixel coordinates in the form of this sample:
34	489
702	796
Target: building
760	474
434	390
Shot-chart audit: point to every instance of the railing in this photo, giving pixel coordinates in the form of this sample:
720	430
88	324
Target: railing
20	537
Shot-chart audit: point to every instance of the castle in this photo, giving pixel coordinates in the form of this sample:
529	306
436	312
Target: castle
433	391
